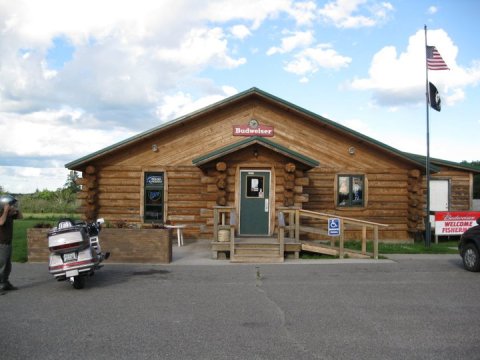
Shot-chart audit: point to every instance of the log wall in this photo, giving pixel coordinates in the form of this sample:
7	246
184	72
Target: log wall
112	184
386	199
461	188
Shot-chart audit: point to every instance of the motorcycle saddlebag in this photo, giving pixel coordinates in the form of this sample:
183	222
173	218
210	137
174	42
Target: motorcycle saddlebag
68	239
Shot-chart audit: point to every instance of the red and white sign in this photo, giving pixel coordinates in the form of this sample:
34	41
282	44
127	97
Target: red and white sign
454	222
253	129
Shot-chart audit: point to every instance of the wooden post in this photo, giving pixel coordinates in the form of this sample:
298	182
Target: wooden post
364	239
215	224
375	242
281	233
291	224
340	251
332	238
297	225
232	244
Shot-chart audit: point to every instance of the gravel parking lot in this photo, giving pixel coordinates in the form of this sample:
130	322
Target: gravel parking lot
413	307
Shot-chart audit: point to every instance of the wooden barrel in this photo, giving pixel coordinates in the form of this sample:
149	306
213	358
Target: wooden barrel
223	235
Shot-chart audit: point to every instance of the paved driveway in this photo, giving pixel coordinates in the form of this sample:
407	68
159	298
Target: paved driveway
425	307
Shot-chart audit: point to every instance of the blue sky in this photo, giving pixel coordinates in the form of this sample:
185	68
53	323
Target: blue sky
77	76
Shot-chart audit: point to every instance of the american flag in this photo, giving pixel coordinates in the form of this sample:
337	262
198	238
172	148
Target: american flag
434	59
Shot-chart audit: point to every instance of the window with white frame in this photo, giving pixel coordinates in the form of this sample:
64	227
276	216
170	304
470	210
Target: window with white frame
350	190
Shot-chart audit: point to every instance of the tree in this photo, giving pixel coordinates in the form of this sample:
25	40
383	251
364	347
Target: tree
61	201
71	183
476	178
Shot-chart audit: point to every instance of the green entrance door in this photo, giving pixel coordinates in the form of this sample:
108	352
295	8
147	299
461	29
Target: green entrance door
254	203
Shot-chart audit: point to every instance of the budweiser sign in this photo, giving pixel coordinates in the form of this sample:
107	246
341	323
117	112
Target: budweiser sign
253	129
454	222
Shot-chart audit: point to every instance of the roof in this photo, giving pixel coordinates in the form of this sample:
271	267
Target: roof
452	164
252	92
252	141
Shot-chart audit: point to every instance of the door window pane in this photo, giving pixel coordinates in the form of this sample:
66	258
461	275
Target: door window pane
255	187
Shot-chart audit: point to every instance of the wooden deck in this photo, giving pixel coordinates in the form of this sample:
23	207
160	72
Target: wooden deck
287	242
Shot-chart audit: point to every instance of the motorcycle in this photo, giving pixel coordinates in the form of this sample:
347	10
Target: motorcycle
75	251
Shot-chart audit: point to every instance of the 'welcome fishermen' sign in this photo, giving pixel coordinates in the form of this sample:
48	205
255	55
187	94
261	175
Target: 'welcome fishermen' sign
454	222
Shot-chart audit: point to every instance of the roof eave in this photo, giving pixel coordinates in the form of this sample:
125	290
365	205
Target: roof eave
216	154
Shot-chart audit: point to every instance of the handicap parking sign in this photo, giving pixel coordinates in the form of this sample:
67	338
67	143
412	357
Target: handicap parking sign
334	227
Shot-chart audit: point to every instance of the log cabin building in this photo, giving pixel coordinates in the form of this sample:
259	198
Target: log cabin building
256	153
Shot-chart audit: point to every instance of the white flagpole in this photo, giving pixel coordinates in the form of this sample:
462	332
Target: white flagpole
428	229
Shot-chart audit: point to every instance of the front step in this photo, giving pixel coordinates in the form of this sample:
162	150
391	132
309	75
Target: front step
256	253
252	251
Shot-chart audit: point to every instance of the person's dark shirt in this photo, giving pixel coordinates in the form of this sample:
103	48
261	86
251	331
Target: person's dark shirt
6	230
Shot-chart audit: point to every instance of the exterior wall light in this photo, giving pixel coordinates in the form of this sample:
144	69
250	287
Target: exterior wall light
351	150
154	148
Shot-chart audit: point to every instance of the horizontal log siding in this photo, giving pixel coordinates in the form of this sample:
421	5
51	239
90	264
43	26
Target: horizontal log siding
192	192
119	194
460	188
386	196
186	198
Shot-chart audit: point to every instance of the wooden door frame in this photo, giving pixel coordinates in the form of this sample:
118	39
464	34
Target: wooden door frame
271	198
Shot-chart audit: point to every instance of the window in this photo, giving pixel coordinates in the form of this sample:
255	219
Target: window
350	190
254	187
154	197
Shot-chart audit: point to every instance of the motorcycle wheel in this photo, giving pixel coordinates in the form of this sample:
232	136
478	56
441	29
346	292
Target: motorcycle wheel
78	282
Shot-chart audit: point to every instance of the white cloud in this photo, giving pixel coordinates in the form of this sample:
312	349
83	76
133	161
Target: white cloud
432	10
290	43
22	180
200	47
399	78
304	13
126	58
124	54
240	31
182	103
457	95
355	13
56	133
310	60
253	11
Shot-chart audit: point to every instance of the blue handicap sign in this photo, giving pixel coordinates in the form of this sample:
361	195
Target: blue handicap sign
333	227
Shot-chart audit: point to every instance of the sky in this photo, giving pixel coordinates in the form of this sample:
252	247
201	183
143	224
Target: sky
77	76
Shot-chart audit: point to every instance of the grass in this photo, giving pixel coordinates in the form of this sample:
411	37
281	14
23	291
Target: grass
443	247
30	220
20	237
48	216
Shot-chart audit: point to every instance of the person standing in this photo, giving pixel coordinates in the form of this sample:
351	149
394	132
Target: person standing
9	212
